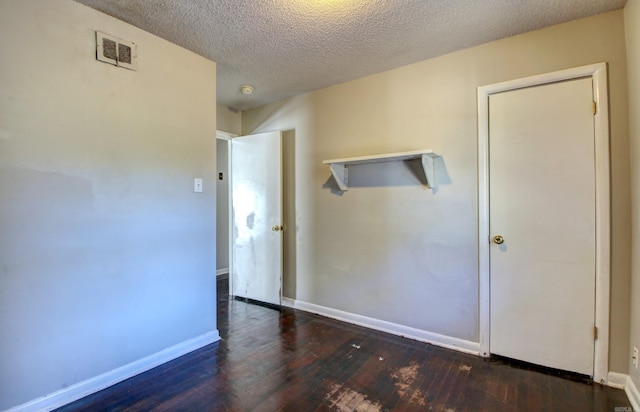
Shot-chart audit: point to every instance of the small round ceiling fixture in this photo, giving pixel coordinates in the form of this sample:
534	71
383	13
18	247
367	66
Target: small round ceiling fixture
246	89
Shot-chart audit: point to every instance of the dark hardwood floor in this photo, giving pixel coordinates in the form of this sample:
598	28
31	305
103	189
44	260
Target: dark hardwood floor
272	360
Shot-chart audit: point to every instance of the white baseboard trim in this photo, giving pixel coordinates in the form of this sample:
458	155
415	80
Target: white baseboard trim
288	302
223	271
623	381
92	385
388	327
617	380
633	394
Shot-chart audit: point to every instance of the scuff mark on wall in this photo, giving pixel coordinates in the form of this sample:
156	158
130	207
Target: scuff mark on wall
251	218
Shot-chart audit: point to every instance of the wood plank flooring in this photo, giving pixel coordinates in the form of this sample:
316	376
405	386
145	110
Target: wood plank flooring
287	360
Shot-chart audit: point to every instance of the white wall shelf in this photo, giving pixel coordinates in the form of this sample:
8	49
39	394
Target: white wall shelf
340	167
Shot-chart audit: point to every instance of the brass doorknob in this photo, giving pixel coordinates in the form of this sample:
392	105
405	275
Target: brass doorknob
498	239
276	228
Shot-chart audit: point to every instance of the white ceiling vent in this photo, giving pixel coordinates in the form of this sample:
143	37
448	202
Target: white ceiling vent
112	50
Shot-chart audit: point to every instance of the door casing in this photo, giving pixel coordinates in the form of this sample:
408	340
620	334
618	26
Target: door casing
598	74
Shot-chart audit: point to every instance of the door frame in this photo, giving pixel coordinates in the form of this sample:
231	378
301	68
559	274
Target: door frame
221	135
598	74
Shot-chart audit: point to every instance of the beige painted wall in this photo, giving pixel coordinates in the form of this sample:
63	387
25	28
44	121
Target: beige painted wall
632	25
106	253
228	121
393	250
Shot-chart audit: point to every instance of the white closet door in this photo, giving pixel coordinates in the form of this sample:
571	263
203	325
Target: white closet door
542	204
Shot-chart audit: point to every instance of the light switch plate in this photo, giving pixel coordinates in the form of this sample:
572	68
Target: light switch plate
197	185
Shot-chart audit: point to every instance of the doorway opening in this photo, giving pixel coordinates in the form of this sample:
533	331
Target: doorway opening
223	201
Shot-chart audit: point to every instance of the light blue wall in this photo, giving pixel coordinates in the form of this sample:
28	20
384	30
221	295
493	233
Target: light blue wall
107	255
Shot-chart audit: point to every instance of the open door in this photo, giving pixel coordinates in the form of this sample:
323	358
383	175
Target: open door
256	198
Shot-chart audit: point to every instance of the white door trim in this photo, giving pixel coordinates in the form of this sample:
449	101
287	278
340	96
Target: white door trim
598	72
225	135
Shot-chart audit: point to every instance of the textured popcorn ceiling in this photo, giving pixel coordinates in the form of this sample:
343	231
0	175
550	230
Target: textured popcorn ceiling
289	47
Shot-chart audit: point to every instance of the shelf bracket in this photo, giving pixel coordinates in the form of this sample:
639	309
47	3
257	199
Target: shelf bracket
340	173
427	166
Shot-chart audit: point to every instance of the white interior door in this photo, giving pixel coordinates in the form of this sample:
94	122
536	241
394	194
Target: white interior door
542	204
256	192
